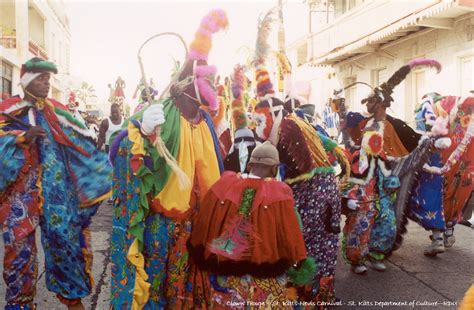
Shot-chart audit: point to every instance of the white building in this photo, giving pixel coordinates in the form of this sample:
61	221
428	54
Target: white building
30	28
369	40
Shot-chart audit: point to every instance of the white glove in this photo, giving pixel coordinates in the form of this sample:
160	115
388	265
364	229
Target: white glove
152	117
442	143
352	204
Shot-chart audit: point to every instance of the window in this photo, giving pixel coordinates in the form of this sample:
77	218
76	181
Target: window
379	76
418	90
67	56
53	47
6	76
350	93
344	6
60	52
467	84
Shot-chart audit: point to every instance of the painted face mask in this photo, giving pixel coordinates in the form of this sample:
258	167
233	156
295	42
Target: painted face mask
264	122
267	118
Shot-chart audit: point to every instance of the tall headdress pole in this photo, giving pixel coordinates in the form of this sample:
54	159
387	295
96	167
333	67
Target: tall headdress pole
159	143
282	69
262	50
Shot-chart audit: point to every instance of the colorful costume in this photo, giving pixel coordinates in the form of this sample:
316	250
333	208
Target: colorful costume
56	182
455	166
306	169
372	223
425	205
153	211
459	179
247	234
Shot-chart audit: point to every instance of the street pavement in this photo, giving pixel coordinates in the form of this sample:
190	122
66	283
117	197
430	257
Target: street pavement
410	276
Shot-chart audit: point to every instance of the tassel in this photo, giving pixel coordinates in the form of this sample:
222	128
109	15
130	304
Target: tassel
183	180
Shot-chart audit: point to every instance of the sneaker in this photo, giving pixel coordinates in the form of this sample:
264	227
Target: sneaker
436	247
449	241
449	238
359	269
378	265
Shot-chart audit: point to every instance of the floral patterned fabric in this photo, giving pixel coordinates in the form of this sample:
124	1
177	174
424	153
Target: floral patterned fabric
384	231
371	229
359	223
426	202
175	283
318	204
52	182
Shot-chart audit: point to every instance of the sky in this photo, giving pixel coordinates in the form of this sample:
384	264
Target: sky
106	36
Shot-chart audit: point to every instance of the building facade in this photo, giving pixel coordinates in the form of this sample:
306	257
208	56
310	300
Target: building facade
357	40
30	28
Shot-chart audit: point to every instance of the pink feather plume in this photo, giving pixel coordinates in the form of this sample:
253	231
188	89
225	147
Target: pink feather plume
422	62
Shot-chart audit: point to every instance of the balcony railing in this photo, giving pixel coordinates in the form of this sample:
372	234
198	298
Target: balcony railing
8	41
37	50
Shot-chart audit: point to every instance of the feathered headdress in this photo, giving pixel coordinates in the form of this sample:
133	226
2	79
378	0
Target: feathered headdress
238	81
199	52
383	92
202	43
239	114
262	49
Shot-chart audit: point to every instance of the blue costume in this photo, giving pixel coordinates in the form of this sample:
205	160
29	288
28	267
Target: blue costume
56	182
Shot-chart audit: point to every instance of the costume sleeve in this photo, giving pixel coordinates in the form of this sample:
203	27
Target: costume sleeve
12	158
92	176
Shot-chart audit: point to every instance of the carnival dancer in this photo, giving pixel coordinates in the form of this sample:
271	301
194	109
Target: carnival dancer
244	138
457	164
306	169
73	107
247	234
53	176
155	198
371	225
425	205
119	87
